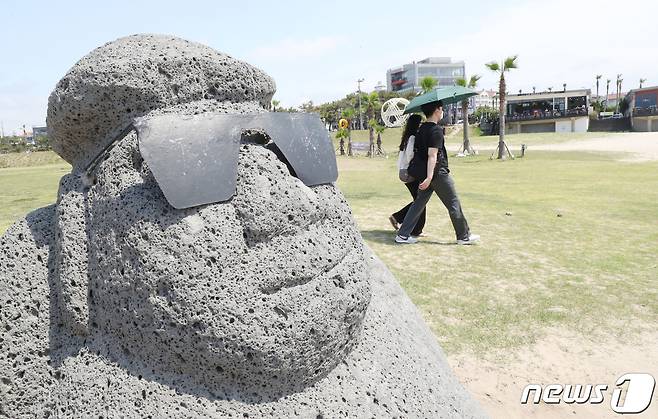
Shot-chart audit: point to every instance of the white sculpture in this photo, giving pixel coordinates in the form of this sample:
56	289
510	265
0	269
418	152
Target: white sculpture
392	112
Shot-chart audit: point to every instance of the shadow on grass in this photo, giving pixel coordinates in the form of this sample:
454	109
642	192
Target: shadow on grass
388	236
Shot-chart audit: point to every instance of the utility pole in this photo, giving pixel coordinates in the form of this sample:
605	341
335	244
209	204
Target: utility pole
359	81
618	92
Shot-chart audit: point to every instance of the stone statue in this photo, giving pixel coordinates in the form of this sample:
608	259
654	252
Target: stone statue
115	304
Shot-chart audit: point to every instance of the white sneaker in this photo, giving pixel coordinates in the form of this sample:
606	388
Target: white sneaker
405	240
472	239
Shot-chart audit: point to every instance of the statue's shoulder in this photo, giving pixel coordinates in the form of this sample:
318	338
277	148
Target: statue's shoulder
24	254
28	235
24	307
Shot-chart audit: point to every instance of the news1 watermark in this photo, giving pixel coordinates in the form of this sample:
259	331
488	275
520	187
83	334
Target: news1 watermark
636	388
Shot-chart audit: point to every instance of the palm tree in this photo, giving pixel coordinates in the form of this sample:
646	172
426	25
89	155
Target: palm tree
620	98
598	77
341	135
380	130
471	84
607	91
428	83
349	114
275	103
618	90
508	64
642	81
372	102
550	89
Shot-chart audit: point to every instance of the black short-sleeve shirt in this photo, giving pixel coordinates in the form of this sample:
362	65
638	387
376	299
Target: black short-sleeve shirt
430	135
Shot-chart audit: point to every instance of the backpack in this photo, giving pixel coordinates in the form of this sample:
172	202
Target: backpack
404	158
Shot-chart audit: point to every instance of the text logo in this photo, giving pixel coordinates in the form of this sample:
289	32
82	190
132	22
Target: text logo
638	394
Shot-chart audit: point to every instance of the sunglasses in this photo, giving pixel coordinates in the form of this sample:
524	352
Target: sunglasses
194	159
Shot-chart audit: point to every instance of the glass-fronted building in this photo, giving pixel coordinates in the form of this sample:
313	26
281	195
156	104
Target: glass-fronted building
643	109
408	76
562	111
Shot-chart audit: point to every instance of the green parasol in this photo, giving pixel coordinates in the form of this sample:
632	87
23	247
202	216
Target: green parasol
447	95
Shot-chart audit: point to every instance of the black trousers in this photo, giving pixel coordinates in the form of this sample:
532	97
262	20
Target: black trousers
444	187
399	216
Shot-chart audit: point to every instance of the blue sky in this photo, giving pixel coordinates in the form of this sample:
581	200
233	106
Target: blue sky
317	50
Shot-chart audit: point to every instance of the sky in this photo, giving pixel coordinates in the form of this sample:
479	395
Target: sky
317	50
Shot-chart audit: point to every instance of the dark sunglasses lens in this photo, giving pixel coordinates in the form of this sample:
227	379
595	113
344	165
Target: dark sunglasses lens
193	159
305	142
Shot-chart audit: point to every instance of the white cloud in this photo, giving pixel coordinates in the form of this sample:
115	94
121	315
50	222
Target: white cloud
562	41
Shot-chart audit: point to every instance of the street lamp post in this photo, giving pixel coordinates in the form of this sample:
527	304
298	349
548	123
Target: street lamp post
359	81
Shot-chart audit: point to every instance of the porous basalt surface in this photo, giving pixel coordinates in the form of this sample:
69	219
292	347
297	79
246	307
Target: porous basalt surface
396	368
132	76
266	290
115	304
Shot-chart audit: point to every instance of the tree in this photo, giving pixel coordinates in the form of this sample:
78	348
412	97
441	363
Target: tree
428	83
372	103
623	105
618	90
598	77
307	106
508	64
380	130
42	143
275	104
471	84
349	114
485	112
607	91
642	81
341	135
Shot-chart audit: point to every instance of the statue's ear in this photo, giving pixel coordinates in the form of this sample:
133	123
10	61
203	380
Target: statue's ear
70	275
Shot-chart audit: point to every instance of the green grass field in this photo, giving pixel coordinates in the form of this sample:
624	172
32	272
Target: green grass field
593	269
27	182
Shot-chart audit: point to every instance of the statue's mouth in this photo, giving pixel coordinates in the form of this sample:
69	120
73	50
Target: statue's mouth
327	271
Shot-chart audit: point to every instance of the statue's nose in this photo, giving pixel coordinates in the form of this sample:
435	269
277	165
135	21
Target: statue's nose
269	200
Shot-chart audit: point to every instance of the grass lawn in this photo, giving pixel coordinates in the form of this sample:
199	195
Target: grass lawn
391	139
592	270
27	182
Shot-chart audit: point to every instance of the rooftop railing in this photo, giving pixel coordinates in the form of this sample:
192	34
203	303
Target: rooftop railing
539	115
651	110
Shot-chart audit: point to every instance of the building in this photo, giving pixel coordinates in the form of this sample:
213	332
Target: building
380	87
643	109
562	111
486	98
407	77
39	132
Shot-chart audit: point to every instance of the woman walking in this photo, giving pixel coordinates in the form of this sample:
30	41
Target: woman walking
406	154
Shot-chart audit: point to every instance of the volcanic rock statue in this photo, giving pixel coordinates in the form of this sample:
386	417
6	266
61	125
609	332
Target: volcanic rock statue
118	302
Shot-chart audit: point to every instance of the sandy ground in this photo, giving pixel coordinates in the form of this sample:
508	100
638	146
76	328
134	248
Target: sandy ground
560	358
642	146
564	358
635	146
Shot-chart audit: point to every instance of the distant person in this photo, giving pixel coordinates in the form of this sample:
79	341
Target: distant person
407	143
430	163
